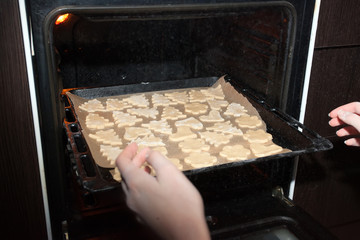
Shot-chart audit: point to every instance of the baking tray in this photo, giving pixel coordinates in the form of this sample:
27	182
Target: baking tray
286	131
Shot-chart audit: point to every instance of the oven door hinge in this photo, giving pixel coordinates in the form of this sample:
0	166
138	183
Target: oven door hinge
278	193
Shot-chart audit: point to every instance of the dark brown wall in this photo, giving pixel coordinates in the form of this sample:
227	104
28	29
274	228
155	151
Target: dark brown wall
22	214
328	183
338	23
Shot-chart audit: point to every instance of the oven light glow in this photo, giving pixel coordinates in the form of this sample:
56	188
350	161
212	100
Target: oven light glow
62	18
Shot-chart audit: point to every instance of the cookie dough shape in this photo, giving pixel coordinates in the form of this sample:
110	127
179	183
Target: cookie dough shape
200	159
95	121
257	136
137	100
110	152
93	105
160	100
217	104
161	126
125	119
116	174
235	152
197	96
261	150
172	113
214	92
149	141
248	121
180	97
183	132
196	108
215	138
190	122
213	116
113	104
226	128
193	145
107	137
131	133
236	110
144	112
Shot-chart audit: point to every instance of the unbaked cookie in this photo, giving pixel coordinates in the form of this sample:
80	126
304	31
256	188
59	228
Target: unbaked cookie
137	100
172	113
125	119
107	137
235	109
160	100
217	104
190	122
149	141
144	112
214	92
116	174
113	104
215	138
200	159
193	145
257	136
214	116
196	108
261	150
197	96
131	133
110	152
248	121
183	132
225	127
235	152
95	121
92	106
180	97
161	126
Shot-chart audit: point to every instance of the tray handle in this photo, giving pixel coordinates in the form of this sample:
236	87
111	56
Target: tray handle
319	143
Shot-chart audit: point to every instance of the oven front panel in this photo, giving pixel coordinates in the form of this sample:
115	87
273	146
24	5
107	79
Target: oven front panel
263	44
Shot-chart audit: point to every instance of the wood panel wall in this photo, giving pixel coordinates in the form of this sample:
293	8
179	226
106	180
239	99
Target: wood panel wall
327	184
22	213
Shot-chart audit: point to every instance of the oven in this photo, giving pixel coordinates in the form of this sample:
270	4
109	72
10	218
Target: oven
104	48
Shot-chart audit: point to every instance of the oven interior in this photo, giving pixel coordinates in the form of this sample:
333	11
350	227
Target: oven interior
251	43
155	47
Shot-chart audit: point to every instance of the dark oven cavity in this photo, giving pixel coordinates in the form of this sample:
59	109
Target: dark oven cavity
252	43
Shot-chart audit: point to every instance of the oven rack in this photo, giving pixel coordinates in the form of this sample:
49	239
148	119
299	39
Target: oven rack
287	132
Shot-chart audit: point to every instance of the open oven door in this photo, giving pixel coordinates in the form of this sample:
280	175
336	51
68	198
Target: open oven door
263	217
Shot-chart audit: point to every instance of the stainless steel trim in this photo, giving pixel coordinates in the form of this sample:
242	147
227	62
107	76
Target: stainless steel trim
31	80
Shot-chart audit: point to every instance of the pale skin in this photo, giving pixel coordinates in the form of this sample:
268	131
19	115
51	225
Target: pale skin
168	203
349	116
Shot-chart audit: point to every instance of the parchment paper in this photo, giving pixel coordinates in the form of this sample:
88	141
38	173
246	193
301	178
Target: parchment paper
231	95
